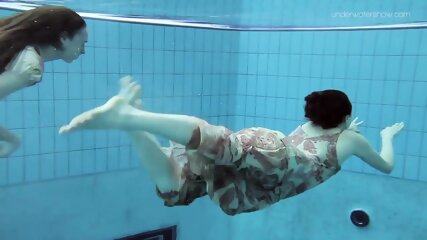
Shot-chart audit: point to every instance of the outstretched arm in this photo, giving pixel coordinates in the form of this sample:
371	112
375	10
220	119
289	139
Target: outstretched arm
384	161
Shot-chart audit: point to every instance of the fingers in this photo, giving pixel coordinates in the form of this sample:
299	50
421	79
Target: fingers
354	122
359	123
399	126
395	128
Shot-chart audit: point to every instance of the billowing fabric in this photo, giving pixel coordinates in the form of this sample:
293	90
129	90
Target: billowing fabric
253	168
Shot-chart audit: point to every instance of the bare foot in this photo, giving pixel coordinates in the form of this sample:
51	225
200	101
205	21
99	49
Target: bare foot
107	116
130	91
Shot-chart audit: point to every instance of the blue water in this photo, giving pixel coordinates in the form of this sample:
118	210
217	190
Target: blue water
270	15
90	185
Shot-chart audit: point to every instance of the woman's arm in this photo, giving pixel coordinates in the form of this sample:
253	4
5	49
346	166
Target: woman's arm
8	142
383	161
11	82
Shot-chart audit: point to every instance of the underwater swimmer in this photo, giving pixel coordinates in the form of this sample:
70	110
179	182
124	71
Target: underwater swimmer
29	39
240	171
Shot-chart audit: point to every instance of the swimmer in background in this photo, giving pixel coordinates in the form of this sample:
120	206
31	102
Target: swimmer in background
27	41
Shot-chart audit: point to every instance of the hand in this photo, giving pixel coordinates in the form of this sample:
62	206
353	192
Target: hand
392	130
354	124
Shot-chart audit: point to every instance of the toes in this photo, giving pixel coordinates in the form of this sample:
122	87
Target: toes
124	85
131	87
135	93
64	129
130	90
80	122
124	81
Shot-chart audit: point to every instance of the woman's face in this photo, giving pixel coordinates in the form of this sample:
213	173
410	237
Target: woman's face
73	47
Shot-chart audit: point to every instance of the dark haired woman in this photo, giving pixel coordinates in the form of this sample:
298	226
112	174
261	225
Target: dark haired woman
29	39
241	171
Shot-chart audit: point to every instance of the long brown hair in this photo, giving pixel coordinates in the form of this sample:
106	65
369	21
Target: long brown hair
40	26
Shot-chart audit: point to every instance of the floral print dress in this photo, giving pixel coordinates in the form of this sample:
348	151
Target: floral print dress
253	168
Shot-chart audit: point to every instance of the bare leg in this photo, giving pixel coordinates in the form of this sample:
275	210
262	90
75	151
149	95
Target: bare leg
116	113
163	170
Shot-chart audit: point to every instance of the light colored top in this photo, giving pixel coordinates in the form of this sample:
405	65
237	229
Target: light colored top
28	61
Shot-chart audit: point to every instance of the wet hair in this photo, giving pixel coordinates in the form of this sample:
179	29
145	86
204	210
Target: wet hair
42	26
327	108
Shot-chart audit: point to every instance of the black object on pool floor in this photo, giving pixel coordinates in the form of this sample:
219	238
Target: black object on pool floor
359	218
168	233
